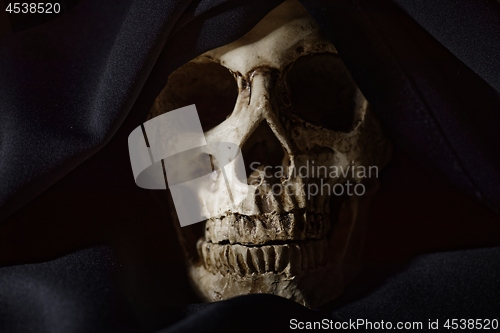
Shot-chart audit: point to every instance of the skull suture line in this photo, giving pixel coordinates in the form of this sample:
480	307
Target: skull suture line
293	104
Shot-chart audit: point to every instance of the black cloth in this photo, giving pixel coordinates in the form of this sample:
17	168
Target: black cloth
76	293
439	109
73	88
50	296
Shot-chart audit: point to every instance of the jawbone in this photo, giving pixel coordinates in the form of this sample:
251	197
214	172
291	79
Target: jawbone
310	266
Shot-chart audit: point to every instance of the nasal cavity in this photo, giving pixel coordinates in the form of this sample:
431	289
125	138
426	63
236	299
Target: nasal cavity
263	151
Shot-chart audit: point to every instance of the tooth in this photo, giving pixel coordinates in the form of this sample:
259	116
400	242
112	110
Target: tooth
248	228
296	259
262	260
221	255
278	226
282	257
249	260
224	256
259	230
242	264
224	229
214	257
287	263
257	258
289	225
208	233
215	230
295	262
230	221
232	261
239	226
269	258
242	258
206	255
273	227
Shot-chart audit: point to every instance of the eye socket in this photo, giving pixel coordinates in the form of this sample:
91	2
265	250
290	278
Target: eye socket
208	85
322	92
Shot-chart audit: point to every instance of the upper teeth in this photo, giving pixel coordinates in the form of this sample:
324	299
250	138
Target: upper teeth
264	228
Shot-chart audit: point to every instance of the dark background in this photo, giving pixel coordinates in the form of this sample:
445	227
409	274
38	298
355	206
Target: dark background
82	248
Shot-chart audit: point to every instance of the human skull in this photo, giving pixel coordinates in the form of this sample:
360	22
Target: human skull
283	96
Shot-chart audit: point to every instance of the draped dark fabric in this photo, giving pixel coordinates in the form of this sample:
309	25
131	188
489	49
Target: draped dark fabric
82	248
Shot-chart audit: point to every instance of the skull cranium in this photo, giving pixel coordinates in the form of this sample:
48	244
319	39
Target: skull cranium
290	103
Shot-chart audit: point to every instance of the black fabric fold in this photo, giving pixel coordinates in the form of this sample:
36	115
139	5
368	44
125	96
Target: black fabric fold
430	102
69	294
66	94
78	292
72	89
468	29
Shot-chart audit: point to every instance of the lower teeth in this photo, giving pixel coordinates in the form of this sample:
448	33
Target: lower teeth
289	258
